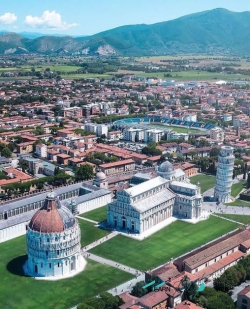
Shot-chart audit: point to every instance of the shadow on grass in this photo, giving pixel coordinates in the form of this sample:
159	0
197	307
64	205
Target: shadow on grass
15	266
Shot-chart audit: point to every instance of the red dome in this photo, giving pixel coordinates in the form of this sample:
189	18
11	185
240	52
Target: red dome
52	217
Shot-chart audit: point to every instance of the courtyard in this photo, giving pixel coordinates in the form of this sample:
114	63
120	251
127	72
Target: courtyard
171	242
19	291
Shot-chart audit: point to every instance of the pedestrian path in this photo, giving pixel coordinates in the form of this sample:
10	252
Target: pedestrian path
99	241
111	263
89	220
227	219
127	286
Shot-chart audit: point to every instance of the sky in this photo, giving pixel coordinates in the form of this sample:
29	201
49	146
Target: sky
86	17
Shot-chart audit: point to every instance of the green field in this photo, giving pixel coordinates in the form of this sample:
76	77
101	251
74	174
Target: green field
206	181
176	129
90	233
239	218
18	291
189	75
238	202
170	242
237	187
89	75
99	214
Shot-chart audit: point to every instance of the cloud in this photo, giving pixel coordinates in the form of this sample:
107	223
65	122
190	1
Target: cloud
49	19
8	18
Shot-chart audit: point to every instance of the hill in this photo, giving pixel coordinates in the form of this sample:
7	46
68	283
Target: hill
210	32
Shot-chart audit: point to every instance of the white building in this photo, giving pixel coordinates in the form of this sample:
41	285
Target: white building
53	242
224	176
145	205
217	134
133	134
91	127
102	129
153	135
41	150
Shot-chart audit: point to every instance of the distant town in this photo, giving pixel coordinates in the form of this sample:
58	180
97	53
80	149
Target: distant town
131	187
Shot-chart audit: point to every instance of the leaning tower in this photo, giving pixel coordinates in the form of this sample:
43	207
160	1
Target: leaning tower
224	175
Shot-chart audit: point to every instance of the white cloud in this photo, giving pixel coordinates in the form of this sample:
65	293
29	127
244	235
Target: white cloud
49	19
8	18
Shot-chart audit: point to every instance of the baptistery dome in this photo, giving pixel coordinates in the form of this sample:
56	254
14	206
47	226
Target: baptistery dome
52	217
53	242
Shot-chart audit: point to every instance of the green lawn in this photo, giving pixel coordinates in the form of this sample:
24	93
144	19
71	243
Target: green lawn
170	242
90	233
239	218
238	202
237	187
99	214
18	291
89	75
206	181
189	75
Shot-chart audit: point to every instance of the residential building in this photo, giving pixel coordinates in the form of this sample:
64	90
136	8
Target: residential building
41	150
117	167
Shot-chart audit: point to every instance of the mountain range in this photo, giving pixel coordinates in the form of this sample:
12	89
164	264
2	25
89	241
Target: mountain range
217	31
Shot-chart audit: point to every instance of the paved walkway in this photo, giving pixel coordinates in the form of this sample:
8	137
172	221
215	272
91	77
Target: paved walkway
228	219
99	241
111	263
126	286
89	220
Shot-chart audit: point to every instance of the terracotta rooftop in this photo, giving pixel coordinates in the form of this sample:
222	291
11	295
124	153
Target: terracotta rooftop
187	305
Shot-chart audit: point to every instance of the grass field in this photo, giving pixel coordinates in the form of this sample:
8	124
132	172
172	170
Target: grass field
189	75
170	242
238	202
206	182
90	233
237	187
99	214
176	129
89	75
239	218
18	291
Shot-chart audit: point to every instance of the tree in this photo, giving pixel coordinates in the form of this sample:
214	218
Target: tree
11	147
6	152
248	180
23	165
138	291
214	152
84	172
245	171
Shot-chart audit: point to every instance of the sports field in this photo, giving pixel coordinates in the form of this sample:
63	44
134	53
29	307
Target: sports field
18	291
174	128
99	214
206	181
90	233
170	242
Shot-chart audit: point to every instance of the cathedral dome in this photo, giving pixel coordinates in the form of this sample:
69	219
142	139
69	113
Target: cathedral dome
52	217
166	167
100	176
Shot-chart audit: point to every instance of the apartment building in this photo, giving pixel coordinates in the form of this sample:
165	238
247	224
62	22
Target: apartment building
41	150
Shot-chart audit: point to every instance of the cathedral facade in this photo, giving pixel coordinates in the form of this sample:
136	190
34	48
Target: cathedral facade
143	206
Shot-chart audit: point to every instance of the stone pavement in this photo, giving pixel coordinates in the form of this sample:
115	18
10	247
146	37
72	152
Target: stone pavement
89	220
111	263
99	241
127	286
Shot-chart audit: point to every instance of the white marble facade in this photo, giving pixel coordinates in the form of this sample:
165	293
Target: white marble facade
143	206
224	175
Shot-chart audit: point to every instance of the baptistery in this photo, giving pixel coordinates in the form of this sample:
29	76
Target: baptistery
53	242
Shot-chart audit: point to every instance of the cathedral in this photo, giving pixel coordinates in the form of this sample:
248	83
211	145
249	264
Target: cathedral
143	206
53	242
